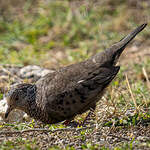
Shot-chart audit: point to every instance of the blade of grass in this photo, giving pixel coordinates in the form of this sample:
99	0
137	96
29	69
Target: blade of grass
146	77
132	96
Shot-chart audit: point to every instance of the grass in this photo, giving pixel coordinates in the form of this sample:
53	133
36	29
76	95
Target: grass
47	31
59	33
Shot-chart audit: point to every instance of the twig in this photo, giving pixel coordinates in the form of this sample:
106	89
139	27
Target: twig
45	130
146	76
129	87
144	99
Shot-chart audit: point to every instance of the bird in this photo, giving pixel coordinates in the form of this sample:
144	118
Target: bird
70	90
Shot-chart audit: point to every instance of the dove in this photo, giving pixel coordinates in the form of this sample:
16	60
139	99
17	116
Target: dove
70	90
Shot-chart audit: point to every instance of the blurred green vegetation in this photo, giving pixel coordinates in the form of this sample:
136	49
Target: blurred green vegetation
78	29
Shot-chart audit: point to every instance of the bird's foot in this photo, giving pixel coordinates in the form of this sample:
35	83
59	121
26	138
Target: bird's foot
75	124
72	124
66	122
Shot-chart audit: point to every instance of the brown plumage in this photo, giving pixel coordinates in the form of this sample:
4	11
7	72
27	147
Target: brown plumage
70	90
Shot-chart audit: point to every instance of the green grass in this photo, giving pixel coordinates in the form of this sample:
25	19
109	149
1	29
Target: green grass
19	143
55	26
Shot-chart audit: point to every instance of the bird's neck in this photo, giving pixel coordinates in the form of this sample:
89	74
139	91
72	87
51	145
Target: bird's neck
32	108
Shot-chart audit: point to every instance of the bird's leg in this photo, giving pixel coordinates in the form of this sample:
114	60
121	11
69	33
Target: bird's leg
66	122
71	123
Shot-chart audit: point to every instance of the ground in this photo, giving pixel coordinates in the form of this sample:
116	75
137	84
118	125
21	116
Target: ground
54	34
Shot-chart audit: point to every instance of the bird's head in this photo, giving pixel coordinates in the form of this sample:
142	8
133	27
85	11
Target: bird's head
19	96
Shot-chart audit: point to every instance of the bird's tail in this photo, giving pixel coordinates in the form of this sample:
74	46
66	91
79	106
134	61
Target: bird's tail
118	48
110	56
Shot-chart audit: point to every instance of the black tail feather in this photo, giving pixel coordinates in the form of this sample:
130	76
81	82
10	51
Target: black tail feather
118	48
111	55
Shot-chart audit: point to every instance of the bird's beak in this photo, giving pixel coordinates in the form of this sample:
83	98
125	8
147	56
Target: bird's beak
9	109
